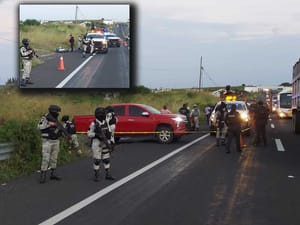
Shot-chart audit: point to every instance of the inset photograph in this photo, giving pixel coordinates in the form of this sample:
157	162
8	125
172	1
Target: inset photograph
74	46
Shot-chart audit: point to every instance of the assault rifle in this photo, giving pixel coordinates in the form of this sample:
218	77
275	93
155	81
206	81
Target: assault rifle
33	52
99	133
59	126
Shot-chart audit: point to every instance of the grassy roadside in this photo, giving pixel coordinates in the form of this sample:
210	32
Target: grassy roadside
20	112
45	38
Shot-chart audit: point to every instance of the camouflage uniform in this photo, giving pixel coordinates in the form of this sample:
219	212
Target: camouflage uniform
100	143
70	128
50	142
26	54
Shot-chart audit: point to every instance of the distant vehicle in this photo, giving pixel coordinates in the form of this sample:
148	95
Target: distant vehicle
274	103
141	120
296	98
113	39
241	107
100	42
61	50
284	104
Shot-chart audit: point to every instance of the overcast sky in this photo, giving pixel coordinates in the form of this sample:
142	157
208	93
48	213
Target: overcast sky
116	12
252	42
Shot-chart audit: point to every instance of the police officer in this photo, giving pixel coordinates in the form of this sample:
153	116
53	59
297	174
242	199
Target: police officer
111	120
261	115
26	53
50	142
72	40
221	112
70	128
100	135
233	121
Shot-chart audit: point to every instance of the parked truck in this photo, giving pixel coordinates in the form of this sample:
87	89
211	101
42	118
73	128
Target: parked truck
296	98
140	120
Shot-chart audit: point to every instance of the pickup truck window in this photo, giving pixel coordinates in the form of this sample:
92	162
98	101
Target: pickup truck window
135	111
119	110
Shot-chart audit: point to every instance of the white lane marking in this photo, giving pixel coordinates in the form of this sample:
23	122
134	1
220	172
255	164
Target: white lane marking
76	207
272	125
69	77
279	145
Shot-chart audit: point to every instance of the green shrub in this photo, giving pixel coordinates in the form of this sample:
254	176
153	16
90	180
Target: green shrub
27	155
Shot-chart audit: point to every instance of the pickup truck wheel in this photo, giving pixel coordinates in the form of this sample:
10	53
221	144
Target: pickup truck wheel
164	135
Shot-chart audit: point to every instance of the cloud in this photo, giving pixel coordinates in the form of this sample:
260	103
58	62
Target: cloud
254	19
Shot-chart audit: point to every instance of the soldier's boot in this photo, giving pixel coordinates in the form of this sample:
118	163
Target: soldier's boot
108	176
96	175
23	83
43	177
28	81
54	176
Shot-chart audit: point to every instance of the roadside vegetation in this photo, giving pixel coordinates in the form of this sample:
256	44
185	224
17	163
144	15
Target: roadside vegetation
47	37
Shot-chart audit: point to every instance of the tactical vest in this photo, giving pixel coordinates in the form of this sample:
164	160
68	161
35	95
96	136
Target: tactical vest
70	127
27	57
52	133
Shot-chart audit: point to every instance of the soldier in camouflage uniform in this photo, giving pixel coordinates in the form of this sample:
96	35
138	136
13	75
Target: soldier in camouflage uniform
50	142
100	134
26	53
70	128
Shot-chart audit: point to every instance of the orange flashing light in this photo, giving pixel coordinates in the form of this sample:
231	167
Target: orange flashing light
230	98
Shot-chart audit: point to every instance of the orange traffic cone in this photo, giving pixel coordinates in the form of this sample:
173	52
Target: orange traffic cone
61	65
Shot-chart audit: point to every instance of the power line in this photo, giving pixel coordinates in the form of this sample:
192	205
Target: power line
209	77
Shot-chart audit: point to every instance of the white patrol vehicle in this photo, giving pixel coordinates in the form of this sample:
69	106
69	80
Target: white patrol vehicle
100	42
113	39
241	107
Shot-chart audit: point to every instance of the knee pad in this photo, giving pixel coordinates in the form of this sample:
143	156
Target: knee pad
97	162
106	161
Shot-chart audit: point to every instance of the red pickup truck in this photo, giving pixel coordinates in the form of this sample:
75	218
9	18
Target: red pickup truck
140	119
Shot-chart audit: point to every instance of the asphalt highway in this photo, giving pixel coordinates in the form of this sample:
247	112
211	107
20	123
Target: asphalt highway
191	181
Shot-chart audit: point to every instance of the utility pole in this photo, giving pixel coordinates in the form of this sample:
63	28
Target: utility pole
76	14
200	77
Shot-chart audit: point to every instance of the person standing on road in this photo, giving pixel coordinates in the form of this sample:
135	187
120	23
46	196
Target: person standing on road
233	121
50	142
26	53
221	112
85	44
165	110
79	42
207	111
71	40
70	128
195	115
261	116
101	144
92	46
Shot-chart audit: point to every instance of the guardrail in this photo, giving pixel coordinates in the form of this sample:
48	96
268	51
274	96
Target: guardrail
6	150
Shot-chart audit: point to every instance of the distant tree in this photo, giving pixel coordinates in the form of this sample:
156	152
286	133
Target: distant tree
140	89
31	22
285	84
